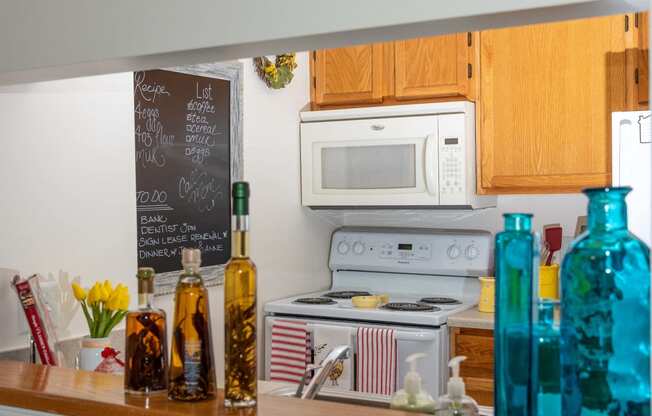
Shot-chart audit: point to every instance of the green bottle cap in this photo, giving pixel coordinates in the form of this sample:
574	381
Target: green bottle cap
240	198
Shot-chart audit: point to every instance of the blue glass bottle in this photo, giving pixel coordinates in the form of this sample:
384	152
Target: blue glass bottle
514	260
605	314
545	357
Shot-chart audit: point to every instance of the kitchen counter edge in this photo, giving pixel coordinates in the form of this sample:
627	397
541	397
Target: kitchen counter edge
472	318
82	393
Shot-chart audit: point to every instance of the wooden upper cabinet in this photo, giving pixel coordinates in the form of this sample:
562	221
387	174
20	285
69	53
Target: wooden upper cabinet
547	93
437	66
351	75
424	69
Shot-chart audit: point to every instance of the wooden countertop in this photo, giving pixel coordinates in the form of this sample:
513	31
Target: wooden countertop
82	393
472	318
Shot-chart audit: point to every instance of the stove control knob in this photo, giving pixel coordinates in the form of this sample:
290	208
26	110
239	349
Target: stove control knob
343	247
453	251
358	247
471	252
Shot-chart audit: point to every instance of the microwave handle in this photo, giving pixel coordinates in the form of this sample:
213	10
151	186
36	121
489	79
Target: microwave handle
431	164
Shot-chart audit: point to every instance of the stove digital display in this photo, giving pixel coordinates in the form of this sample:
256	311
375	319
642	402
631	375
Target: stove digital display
405	246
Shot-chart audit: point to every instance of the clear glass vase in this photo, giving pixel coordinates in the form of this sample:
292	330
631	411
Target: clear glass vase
605	323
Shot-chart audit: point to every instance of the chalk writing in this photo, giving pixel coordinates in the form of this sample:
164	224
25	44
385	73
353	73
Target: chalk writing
182	168
147	91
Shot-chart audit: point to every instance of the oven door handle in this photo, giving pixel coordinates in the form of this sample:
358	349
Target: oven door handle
421	336
430	164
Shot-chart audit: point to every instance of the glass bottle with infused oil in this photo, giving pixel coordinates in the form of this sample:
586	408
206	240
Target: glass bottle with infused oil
145	344
240	309
192	366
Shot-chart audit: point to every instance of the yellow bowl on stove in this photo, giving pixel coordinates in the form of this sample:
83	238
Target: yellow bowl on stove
384	298
365	302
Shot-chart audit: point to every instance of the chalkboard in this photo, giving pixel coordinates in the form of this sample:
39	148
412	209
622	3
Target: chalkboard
183	149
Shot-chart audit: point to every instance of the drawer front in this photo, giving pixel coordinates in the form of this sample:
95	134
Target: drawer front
482	390
478	346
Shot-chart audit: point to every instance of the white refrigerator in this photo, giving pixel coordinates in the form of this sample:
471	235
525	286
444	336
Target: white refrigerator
631	165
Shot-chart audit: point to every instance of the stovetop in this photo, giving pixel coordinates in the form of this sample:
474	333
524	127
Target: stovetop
408	309
428	274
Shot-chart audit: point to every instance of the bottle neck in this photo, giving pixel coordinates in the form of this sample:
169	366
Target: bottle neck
145	300
607	213
145	292
191	268
518	222
240	237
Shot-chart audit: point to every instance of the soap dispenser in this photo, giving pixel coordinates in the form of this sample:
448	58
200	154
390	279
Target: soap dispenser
456	402
412	398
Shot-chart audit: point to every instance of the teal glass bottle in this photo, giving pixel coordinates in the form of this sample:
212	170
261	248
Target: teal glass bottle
514	261
605	314
545	357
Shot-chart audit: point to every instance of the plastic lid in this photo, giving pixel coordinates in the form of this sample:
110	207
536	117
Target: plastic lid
456	388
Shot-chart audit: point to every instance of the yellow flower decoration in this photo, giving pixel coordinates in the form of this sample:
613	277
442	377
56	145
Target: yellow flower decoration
78	292
103	305
276	74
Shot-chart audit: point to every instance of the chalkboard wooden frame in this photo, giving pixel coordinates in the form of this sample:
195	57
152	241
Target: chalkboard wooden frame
230	71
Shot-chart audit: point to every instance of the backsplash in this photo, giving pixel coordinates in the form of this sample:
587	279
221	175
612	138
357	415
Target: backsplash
563	209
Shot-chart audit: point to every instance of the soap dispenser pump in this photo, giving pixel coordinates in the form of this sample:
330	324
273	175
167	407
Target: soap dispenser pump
412	398
456	402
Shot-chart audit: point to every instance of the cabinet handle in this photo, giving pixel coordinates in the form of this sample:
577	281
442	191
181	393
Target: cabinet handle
377	127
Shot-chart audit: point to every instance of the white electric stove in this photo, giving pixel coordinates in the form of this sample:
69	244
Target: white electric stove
428	274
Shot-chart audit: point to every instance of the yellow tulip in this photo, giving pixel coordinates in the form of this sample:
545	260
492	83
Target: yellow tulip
78	292
114	302
104	295
94	295
107	286
124	302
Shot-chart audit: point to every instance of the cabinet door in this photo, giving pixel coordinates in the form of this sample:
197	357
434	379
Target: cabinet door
437	66
478	368
348	75
547	93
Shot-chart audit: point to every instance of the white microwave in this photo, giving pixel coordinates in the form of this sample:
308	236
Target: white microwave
407	156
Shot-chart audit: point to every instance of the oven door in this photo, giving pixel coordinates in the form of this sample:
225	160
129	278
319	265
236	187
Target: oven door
410	340
371	162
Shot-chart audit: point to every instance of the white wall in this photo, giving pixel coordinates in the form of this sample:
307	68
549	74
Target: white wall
67	191
67	186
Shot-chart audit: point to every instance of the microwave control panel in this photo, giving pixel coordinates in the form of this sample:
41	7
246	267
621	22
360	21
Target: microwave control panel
452	165
452	159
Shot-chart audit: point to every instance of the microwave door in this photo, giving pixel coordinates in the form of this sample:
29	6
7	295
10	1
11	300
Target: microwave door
382	162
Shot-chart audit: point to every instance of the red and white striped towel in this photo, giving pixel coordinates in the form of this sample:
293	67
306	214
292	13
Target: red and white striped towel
376	368
290	351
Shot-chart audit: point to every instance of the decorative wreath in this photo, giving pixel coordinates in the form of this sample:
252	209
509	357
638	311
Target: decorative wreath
276	74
